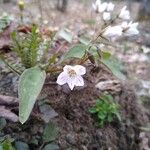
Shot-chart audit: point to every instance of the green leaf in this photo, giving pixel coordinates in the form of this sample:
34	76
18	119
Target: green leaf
93	110
105	55
107	98
110	118
6	145
2	123
118	116
30	86
51	147
65	34
115	66
76	51
84	40
101	116
50	132
90	21
21	146
5	21
1	147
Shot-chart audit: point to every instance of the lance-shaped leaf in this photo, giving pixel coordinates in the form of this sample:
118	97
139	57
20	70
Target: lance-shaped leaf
65	34
30	86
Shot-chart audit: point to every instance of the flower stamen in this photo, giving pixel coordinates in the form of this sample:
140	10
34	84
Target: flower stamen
71	73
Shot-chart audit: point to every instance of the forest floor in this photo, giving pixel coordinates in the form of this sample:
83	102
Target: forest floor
69	110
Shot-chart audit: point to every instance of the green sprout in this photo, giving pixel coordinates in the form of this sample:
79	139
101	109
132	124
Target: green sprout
105	110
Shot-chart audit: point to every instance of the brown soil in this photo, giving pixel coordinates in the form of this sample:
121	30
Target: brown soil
78	130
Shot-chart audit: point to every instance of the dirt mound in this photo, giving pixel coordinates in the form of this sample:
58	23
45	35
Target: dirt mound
78	129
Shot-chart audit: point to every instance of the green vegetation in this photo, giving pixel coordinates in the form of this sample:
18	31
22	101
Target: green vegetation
105	110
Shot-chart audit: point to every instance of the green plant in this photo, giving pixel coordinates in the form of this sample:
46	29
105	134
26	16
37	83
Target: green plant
30	65
105	110
29	47
5	20
50	133
34	61
6	143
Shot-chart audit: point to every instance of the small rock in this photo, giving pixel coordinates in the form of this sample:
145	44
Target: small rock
47	112
83	147
71	139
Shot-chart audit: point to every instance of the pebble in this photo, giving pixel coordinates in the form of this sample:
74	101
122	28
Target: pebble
71	138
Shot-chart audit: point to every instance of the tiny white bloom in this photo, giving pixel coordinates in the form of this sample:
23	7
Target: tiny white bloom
130	29
110	6
124	14
102	7
99	7
101	45
124	25
72	75
45	22
112	32
106	16
96	5
146	50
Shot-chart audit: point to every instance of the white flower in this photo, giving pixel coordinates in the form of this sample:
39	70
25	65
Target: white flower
45	22
103	7
72	75
101	45
130	28
99	7
96	5
124	14
110	6
124	25
106	16
112	32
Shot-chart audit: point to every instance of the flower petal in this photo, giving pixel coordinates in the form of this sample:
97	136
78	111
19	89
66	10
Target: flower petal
110	7
106	16
79	81
114	31
62	78
71	82
80	70
124	14
103	7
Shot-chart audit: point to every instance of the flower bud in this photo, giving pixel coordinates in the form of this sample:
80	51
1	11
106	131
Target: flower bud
21	4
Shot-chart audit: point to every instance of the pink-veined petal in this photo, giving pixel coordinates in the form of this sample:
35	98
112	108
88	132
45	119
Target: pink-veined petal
79	81
62	78
80	70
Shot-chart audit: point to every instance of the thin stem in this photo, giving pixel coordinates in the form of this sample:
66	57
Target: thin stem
21	16
41	10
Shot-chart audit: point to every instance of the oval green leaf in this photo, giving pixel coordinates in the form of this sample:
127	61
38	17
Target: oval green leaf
76	51
30	86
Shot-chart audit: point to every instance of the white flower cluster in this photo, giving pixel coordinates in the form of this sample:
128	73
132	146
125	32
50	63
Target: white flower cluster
72	75
125	28
105	8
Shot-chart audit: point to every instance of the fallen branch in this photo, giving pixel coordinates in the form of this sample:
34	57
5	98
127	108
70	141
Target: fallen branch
5	113
8	100
109	85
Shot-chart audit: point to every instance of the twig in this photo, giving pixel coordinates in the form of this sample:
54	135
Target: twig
8	100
